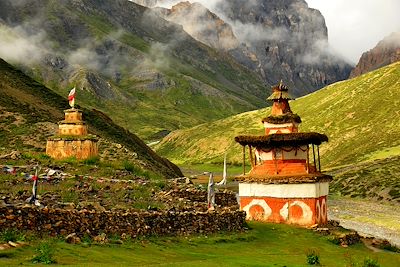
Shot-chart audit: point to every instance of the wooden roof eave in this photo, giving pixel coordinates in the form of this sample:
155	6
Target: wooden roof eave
282	140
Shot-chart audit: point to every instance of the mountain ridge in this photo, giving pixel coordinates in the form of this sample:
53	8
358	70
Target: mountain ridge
279	40
387	51
127	62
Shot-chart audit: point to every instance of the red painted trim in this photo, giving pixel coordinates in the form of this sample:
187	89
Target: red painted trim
294	211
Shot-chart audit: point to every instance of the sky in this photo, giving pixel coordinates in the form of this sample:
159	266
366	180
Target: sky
356	26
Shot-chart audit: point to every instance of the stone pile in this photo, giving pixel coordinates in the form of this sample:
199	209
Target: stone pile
222	198
121	222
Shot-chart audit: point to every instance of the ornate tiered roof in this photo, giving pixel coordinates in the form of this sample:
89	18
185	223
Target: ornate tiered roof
280	91
281	140
284	118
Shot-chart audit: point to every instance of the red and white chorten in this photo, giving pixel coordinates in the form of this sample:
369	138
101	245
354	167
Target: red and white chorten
285	183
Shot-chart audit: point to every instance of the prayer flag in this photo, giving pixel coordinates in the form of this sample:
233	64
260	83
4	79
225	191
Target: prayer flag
71	97
224	174
211	192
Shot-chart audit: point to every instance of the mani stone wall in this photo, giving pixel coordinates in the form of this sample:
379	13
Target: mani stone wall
60	148
131	223
224	199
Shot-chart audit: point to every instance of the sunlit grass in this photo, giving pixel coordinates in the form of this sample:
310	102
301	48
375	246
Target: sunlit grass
263	245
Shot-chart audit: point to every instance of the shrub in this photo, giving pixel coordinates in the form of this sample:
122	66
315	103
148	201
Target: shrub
368	262
44	254
11	235
86	239
312	257
129	166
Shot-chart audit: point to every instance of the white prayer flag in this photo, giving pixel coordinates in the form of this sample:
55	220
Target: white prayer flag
71	97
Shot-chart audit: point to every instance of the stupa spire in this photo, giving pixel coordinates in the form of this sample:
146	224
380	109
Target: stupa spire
280	97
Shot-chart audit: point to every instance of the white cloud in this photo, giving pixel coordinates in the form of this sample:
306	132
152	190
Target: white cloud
358	25
17	45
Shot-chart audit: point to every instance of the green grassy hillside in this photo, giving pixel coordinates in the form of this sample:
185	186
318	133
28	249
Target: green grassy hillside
29	112
360	117
147	74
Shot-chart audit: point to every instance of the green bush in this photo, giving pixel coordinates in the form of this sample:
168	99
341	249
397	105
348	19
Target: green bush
129	166
44	254
312	257
87	239
368	262
11	235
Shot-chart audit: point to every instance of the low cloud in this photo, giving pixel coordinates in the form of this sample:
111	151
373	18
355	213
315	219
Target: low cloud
158	57
85	56
250	33
18	45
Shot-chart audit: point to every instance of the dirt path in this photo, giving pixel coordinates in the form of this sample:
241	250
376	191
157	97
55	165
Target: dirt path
367	217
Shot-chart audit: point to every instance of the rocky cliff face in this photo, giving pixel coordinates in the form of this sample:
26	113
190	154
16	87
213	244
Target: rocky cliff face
202	24
289	40
384	53
278	39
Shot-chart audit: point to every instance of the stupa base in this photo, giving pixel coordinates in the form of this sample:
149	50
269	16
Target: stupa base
78	147
301	203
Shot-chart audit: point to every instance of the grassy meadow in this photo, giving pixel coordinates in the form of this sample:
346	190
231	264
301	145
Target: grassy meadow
261	245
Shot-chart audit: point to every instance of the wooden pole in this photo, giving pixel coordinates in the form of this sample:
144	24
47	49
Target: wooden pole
319	161
308	159
313	150
255	158
276	163
251	156
244	159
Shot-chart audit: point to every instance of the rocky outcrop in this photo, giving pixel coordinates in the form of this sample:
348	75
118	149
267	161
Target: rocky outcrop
384	53
148	3
202	24
288	40
278	39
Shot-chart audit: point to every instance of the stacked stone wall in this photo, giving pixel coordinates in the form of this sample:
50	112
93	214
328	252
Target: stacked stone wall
127	222
224	199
